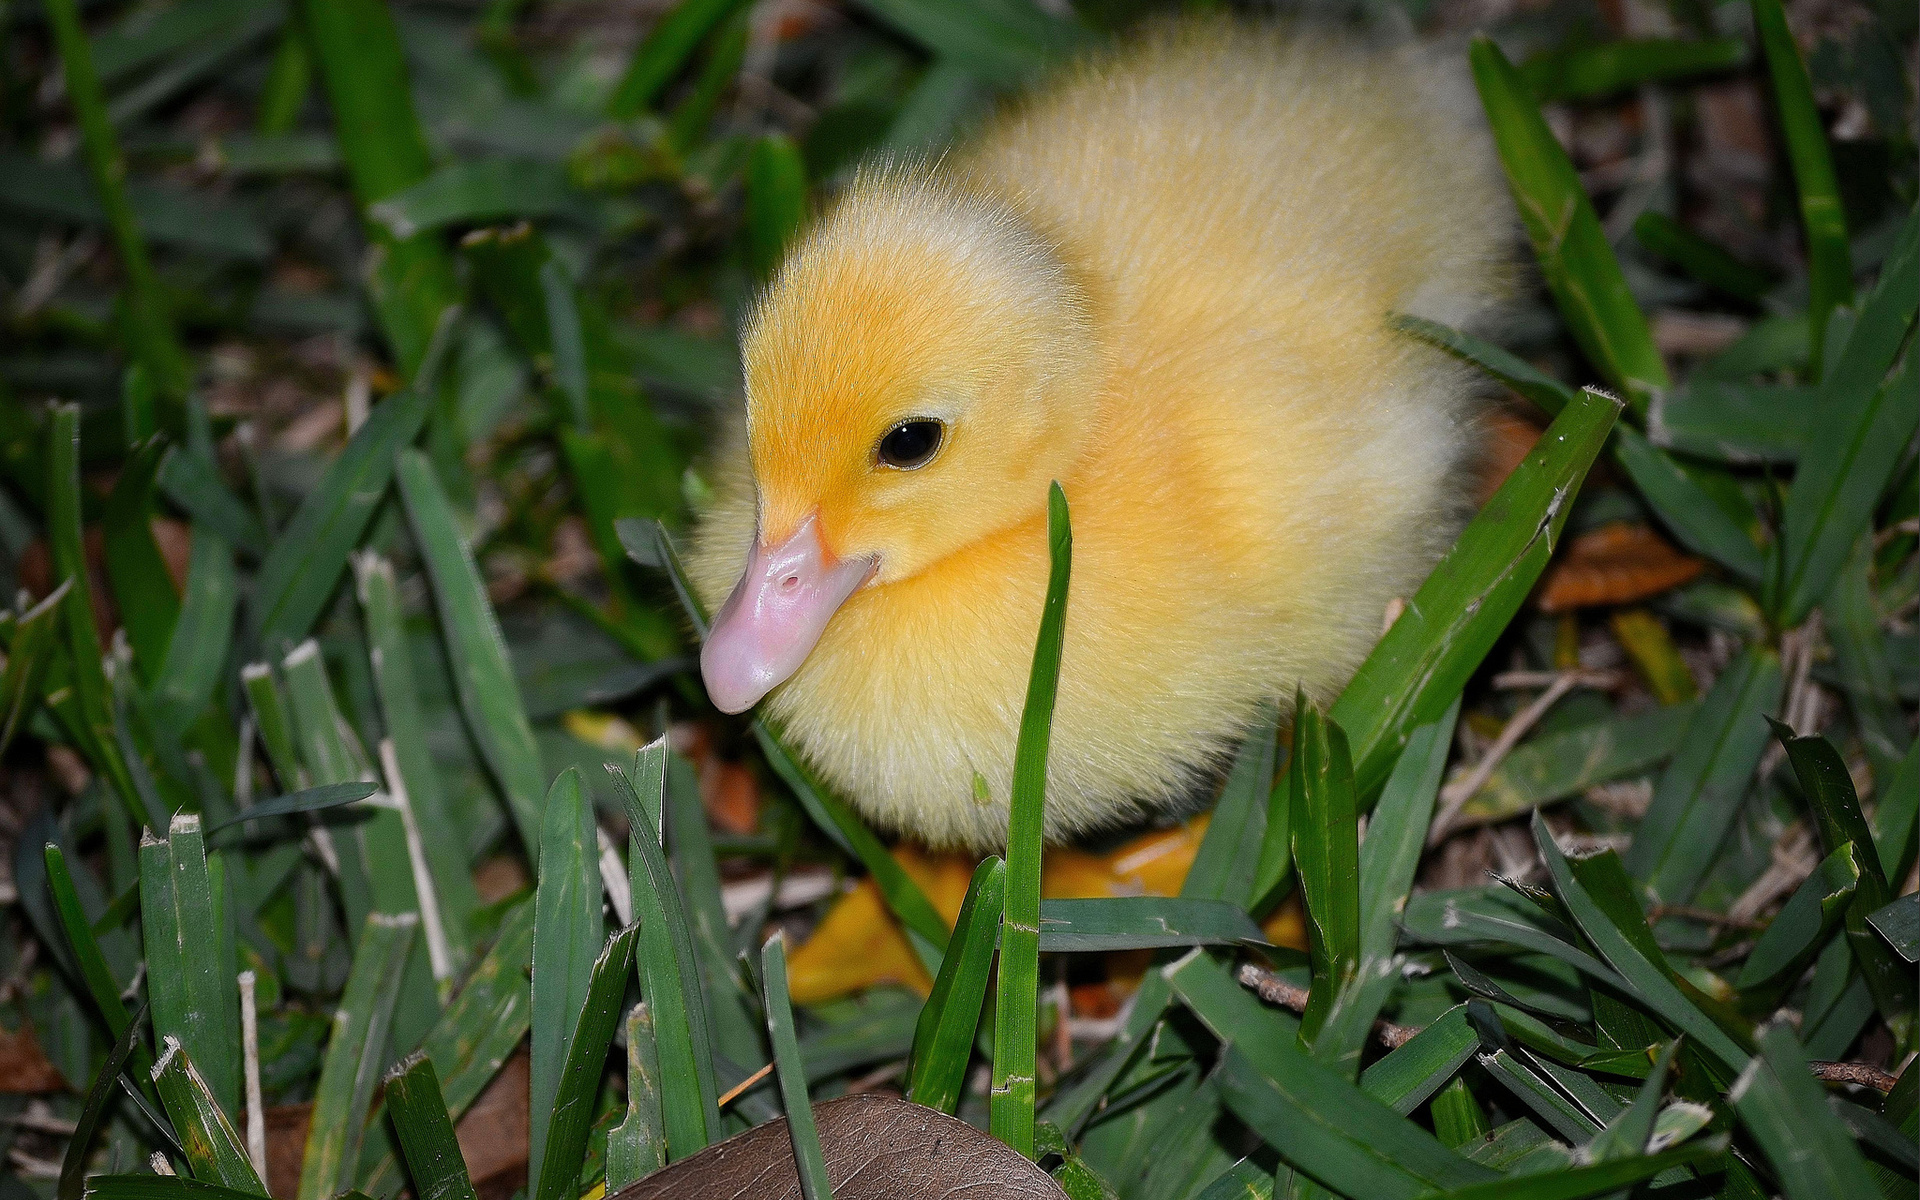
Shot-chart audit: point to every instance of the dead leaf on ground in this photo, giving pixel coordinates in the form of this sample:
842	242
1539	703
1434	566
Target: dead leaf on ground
24	1069
876	1148
1618	563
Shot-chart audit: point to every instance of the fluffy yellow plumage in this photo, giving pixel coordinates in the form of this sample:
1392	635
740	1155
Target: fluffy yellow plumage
1163	281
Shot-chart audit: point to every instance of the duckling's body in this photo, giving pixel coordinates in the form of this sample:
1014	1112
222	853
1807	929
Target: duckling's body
1165	282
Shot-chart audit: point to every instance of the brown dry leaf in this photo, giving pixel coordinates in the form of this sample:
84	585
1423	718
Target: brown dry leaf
1509	438
492	1134
1618	563
24	1070
876	1148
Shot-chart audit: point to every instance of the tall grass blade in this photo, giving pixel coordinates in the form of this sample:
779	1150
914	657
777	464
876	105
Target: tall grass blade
93	1109
689	844
1785	1111
943	1037
1227	865
776	200
1326	852
202	637
483	674
1585	71
568	932
663	52
32	650
212	1147
812	1164
637	1146
1706	261
1829	259
1016	1018
419	1117
356	1056
103	987
1418	669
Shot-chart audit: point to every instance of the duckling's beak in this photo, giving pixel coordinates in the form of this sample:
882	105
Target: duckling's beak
776	613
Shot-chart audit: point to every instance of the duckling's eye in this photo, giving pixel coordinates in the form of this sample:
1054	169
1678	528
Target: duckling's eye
912	443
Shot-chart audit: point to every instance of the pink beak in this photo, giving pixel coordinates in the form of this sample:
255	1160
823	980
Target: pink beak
775	615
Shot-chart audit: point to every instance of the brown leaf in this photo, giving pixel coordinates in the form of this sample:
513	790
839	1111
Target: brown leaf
1614	564
24	1070
876	1147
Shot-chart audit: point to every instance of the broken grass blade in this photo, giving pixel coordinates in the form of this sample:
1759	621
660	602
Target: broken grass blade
73	1168
637	1146
207	1136
944	1036
579	1085
812	1164
1418	668
356	1056
419	1116
482	671
1016	1015
195	995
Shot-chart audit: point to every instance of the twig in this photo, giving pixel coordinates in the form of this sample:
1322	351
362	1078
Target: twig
1850	1072
1455	795
744	1086
1275	990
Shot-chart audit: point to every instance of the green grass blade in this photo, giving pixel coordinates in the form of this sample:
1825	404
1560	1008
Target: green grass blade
419	1116
1395	836
483	674
776	201
1586	72
1227	865
364	74
297	577
1737	422
102	986
1684	496
1424	1064
1897	820
1001	42
1016	1020
356	1056
150	329
637	1146
1646	979
1517	373
943	1038
195	995
213	1149
31	652
1626	1136
1575	257
400	709
274	723
1594	1179
202	637
162	1187
1706	261
1458	1119
1867	421
792	1071
689	845
93	1109
568	932
1804	924
1830	261
669	972
1326	853
1785	1110
579	1085
191	482
1898	921
1418	669
664	51
1696	798
726	53
134	566
1142	923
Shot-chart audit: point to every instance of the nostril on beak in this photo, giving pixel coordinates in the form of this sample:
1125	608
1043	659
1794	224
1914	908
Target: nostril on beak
789	583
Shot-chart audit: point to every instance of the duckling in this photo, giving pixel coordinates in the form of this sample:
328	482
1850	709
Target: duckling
1163	280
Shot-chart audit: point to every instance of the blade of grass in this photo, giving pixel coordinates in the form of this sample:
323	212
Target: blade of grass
1804	924
1706	261
1517	373
1001	41
30	653
400	709
1829	259
1688	503
567	935
579	1085
1786	1112
297	577
150	331
1736	422
776	201
100	1093
1696	798
1898	921
1142	923
726	52
419	1116
637	1147
690	854
202	637
1594	1179
1627	1135
356	1055
1015	1018
1418	669
483	674
213	1149
1423	1065
1326	851
792	1071
943	1038
1557	765
663	52
103	987
669	975
364	74
134	566
1577	262
1583	71
195	996
191	482
1226	867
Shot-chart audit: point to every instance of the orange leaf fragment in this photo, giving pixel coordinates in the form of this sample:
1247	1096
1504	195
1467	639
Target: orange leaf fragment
1618	563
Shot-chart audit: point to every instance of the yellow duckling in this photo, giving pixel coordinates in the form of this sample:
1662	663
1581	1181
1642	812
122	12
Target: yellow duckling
1164	281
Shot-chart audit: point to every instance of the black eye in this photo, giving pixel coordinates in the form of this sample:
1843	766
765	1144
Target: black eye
911	443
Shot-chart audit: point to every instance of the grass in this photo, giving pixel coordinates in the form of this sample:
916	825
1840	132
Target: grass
515	255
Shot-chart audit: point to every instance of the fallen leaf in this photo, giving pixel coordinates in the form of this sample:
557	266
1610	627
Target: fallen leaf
1618	563
24	1069
876	1148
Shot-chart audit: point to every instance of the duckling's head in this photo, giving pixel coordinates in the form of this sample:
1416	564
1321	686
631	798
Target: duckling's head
918	370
